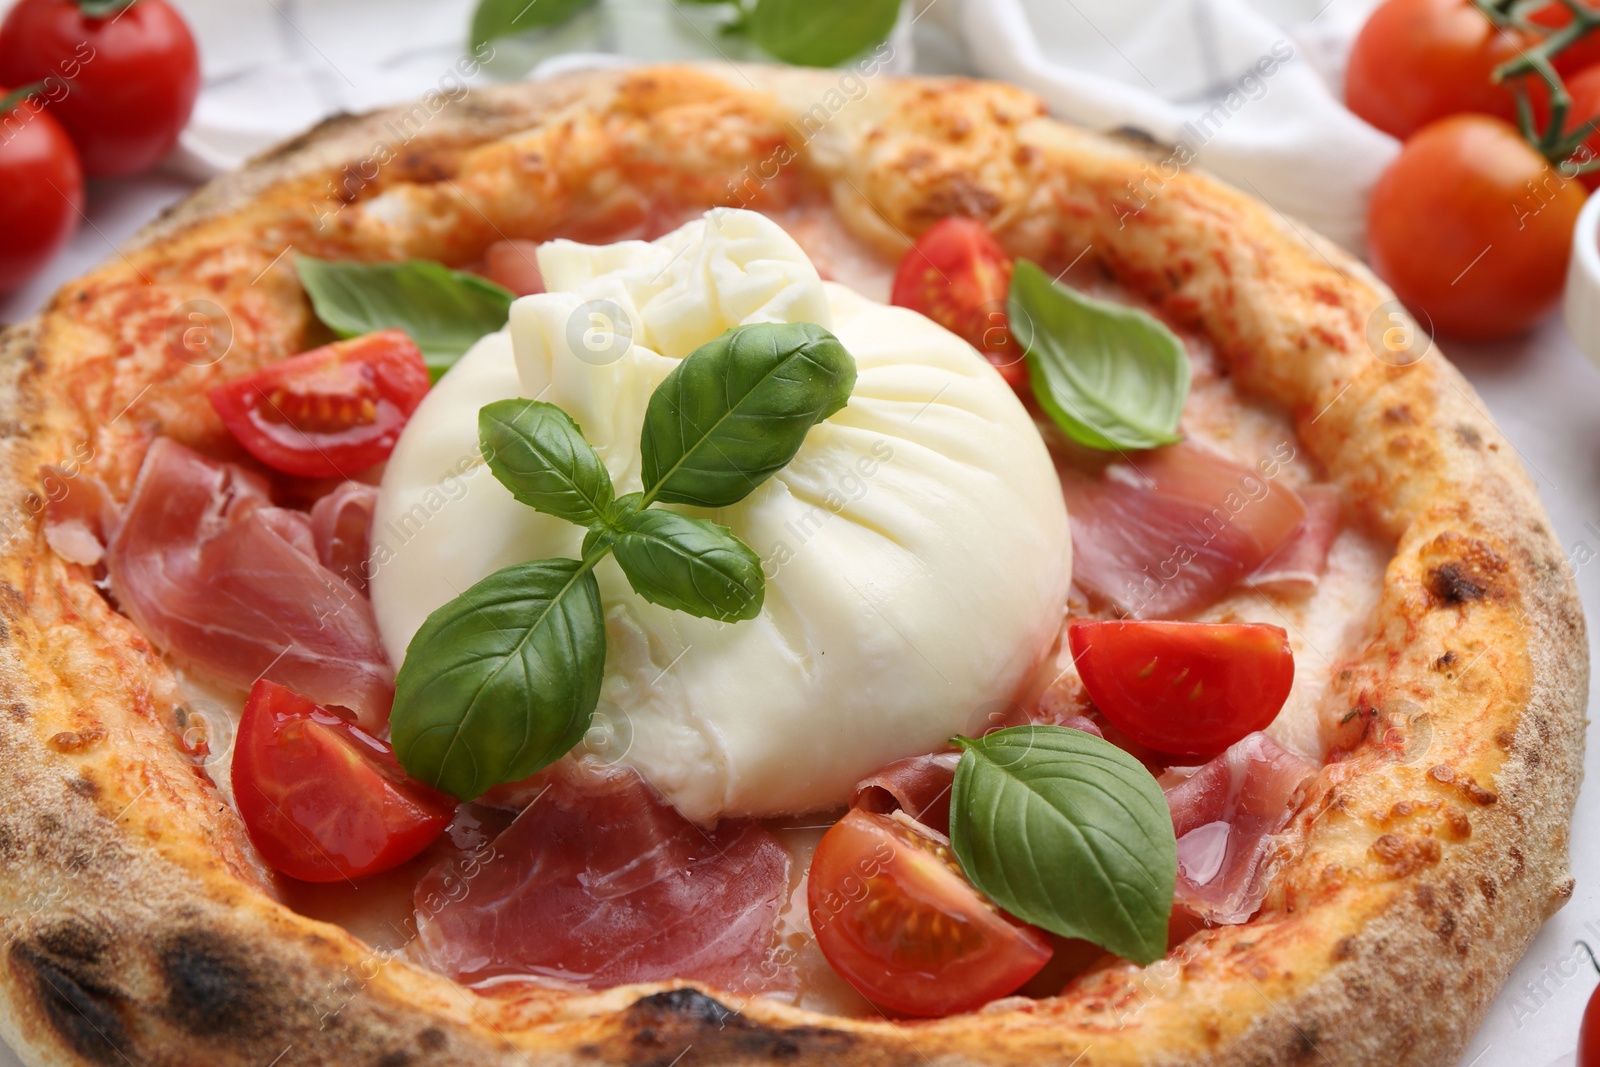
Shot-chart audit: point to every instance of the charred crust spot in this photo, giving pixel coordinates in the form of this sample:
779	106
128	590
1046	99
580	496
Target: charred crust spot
667	1024
1306	1041
63	964
1486	886
213	988
1469	436
1399	415
1445	662
85	787
1425	898
1452	583
1402	854
19	711
432	1039
1344	948
397	1058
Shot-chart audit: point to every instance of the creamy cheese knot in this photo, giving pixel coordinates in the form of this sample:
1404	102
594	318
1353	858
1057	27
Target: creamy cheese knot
916	550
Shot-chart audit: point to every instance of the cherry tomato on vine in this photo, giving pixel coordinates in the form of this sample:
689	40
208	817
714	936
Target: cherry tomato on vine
1185	688
1583	52
1473	227
898	920
322	800
122	80
1584	88
331	412
958	275
1589	1029
1416	61
41	189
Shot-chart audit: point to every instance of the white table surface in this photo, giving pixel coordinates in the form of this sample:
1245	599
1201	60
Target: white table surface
1541	392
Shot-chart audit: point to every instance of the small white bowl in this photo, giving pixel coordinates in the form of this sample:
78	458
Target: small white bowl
1583	281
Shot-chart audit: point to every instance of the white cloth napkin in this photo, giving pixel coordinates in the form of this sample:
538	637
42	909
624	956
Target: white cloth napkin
1248	89
1243	85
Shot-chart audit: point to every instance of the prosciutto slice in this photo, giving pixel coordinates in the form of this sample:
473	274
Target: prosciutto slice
79	514
1298	564
600	883
918	786
1225	814
220	579
341	524
1170	531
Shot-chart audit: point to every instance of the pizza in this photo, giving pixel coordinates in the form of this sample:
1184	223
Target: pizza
743	566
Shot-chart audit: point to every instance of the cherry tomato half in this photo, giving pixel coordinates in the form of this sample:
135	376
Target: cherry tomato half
1186	688
1471	225
322	800
331	412
127	81
958	275
896	918
42	185
1416	61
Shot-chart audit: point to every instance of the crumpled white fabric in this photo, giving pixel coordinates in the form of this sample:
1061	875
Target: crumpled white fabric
1208	74
1249	88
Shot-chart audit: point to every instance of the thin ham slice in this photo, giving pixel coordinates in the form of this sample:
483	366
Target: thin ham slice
341	524
513	265
1226	814
600	883
223	581
918	786
1169	531
1299	563
80	514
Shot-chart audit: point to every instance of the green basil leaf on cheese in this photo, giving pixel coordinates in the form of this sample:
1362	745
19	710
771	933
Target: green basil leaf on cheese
1069	833
690	565
444	311
820	33
538	452
502	680
494	19
737	409
1112	377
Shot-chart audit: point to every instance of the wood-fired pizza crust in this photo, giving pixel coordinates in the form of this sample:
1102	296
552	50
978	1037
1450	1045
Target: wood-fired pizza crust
136	927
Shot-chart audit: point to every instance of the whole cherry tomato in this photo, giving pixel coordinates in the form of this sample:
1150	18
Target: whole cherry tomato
1583	52
1416	61
122	80
1584	88
41	189
1589	1029
1473	227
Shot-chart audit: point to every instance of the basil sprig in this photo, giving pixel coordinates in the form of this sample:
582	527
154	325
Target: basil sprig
811	33
1069	833
1112	377
504	679
444	311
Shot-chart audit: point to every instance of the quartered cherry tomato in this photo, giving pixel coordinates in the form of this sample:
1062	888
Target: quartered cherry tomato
1416	61
958	275
322	800
41	189
1185	688
1472	226
331	412
897	919
129	75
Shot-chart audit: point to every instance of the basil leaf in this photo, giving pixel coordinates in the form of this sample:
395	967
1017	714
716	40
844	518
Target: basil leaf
1111	377
502	680
821	33
494	19
690	565
538	453
1067	832
738	408
445	311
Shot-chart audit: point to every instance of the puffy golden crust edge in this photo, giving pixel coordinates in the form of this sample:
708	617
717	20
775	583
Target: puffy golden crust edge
138	928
